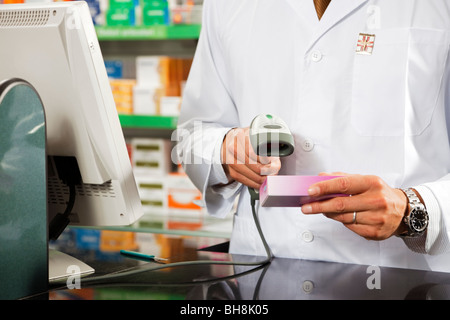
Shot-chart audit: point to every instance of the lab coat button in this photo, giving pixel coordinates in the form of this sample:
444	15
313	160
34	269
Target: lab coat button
307	286
316	56
307	236
307	145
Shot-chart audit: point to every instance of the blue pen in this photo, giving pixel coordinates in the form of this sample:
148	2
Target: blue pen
137	255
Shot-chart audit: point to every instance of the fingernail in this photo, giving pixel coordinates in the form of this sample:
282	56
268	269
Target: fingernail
306	208
313	191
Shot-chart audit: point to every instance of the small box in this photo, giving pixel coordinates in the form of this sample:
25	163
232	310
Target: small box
182	193
111	240
122	90
151	156
290	191
114	69
155	12
153	195
170	106
121	4
120	16
145	100
87	239
148	71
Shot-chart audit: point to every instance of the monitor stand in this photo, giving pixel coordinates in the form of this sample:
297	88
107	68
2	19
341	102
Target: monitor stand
23	191
62	266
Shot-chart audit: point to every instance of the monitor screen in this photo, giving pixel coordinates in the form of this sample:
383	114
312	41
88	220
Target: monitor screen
54	47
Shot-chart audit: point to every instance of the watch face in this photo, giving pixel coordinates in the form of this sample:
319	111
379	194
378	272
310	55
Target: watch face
418	220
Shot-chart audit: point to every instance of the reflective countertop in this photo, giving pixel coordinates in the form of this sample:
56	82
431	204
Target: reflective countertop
123	278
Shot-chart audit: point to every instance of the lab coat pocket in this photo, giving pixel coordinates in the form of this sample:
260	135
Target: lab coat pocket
396	87
428	52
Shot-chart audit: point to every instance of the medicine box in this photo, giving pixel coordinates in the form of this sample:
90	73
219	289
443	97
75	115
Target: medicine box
120	16
145	100
290	190
170	106
155	12
148	71
183	202
122	90
153	194
182	193
151	156
113	241
114	69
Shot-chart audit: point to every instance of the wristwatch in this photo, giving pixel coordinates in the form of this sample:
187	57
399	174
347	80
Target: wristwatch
417	219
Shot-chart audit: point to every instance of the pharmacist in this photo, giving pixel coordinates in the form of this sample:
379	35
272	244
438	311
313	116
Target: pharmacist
365	90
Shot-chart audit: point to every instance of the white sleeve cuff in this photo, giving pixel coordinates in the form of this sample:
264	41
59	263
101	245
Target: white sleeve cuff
218	180
436	240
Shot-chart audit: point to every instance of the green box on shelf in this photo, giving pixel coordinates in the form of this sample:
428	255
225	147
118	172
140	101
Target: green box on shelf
155	12
120	17
113	4
153	17
156	4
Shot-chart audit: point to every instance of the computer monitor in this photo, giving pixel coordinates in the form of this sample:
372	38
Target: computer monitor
54	47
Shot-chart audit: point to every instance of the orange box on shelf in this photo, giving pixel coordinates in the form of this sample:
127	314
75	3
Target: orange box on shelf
184	225
117	240
181	192
122	90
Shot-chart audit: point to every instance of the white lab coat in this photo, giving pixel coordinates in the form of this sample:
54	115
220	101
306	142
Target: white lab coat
385	114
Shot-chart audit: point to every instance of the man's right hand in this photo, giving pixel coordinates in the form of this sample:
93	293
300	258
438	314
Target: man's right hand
242	164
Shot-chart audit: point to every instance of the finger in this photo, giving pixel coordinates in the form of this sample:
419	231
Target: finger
240	155
346	218
246	176
336	173
272	168
350	184
339	204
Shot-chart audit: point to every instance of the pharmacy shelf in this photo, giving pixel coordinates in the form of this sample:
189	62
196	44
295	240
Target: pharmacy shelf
144	126
211	230
156	32
148	122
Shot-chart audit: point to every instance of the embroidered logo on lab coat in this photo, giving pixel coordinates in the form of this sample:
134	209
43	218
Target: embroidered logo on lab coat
365	43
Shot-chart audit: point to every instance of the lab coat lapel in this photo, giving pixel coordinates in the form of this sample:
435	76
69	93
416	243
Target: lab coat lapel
336	11
305	9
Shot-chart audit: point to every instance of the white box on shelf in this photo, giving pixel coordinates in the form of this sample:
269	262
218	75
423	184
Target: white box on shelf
144	100
148	71
150	156
153	194
170	106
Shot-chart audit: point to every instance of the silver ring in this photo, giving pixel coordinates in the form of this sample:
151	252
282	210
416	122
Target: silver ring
354	218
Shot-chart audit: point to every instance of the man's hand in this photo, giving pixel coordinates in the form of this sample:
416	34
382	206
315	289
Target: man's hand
379	208
242	164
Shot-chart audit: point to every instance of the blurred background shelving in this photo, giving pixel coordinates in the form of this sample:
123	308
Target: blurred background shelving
148	47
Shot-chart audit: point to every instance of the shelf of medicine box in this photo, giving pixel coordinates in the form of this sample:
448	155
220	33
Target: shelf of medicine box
154	32
140	125
212	228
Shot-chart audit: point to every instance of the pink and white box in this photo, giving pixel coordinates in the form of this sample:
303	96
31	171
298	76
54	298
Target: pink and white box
291	191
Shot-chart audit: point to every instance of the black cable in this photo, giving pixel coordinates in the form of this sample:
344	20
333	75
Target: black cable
122	274
61	220
71	203
69	173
